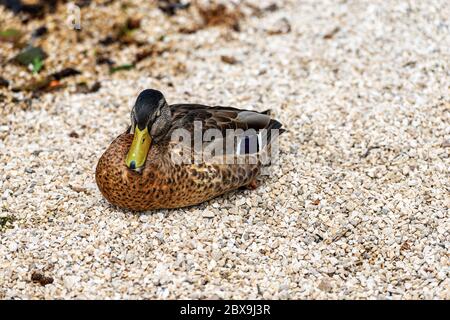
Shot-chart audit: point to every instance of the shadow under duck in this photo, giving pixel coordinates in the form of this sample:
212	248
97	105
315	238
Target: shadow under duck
141	169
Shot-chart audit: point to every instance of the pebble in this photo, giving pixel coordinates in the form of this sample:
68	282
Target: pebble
69	282
13	247
208	214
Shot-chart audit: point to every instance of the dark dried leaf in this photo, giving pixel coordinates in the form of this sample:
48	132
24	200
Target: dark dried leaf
332	33
67	72
143	54
83	3
45	84
83	87
123	33
36	85
272	7
40	278
405	246
410	64
217	15
149	52
229	59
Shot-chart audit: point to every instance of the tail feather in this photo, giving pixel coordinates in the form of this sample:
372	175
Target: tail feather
273	125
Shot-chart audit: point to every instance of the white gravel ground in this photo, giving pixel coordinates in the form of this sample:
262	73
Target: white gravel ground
357	208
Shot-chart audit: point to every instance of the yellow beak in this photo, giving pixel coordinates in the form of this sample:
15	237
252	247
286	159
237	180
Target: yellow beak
139	149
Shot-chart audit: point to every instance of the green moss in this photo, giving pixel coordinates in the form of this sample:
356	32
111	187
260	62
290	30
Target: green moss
121	67
37	65
30	55
10	35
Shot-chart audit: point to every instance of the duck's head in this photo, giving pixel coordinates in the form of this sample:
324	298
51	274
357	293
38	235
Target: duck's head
150	121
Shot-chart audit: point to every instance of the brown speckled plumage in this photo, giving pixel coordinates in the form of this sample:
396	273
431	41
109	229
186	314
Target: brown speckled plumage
164	184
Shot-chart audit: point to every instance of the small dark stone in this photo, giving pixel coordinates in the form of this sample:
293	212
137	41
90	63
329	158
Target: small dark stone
36	152
170	7
39	32
236	27
104	60
95	87
3	82
133	23
73	134
107	41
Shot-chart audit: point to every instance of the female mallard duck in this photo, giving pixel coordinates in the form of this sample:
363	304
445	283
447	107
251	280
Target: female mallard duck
142	168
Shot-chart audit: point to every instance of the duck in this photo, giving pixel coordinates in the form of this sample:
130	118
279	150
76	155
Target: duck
180	155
